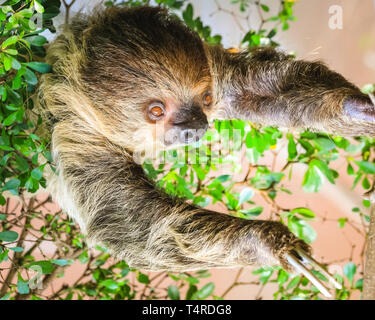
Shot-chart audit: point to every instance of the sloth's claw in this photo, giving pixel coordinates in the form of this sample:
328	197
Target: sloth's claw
318	267
372	97
299	259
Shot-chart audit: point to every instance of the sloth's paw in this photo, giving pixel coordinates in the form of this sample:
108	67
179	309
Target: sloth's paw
279	246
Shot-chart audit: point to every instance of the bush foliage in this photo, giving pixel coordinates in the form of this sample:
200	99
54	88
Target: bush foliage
26	272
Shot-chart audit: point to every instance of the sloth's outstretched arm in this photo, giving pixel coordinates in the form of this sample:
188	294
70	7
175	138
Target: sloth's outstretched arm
269	87
119	207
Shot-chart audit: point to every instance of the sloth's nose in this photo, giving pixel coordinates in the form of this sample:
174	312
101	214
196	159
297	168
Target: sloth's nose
359	107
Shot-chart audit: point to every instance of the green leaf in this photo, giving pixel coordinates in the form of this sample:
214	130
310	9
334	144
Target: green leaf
368	88
349	270
5	297
294	282
253	212
31	184
83	258
192	280
173	293
12	186
30	77
308	232
366	203
143	278
342	222
223	178
36	40
282	277
46	266
8	236
22	164
301	229
324	144
245	195
265	274
272	33
201	174
285	26
10	119
192	290
16	65
304	212
323	167
9	42
38	7
4	255
3	16
366	183
110	284
22	286
319	275
312	181
12	52
10	2
16	249
292	148
264	179
14	96
188	15
6	157
39	66
28	13
350	169
265	8
205	291
7	62
62	262
359	284
366	167
37	173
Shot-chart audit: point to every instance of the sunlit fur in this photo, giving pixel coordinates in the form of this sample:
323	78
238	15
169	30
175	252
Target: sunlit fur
107	69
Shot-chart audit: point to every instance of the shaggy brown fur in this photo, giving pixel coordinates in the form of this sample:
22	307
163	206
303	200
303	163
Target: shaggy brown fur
106	71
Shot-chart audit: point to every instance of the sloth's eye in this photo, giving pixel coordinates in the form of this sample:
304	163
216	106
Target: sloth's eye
156	111
207	99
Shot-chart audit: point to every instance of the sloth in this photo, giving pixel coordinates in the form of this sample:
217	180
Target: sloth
125	69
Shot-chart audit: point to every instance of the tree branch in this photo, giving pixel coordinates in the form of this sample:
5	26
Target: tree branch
67	9
369	276
14	267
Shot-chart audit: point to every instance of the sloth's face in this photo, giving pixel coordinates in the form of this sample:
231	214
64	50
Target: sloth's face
175	122
174	116
148	75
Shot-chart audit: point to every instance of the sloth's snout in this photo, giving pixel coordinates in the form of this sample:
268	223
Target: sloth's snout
359	107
